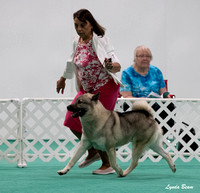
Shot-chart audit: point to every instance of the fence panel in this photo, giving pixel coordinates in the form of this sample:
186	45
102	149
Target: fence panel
9	130
45	136
37	131
180	121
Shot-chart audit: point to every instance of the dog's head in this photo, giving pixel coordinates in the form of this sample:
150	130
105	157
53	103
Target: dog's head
83	104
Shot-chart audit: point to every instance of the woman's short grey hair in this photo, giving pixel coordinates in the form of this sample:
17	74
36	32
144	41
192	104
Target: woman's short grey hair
142	48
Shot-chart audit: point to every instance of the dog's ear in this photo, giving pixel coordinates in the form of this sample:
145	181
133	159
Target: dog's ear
95	97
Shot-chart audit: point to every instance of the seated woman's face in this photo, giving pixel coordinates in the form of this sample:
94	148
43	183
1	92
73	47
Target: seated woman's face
143	58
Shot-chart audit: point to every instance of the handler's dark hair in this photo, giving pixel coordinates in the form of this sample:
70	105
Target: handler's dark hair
83	15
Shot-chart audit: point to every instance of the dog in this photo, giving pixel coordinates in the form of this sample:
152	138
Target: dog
106	130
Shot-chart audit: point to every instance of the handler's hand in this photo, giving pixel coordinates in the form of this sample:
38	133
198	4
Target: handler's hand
61	85
112	67
108	64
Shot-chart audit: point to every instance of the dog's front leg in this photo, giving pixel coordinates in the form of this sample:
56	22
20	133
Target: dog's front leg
83	146
112	158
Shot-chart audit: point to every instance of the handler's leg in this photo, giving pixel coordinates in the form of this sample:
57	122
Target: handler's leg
75	126
108	98
105	168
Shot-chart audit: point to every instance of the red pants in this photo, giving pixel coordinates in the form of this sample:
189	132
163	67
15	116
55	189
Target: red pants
108	97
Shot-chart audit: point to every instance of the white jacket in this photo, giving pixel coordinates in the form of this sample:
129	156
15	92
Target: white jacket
102	47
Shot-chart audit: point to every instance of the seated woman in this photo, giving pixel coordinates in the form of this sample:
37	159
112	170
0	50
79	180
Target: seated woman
142	78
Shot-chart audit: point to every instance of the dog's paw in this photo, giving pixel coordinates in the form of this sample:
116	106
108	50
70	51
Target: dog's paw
174	169
62	172
121	175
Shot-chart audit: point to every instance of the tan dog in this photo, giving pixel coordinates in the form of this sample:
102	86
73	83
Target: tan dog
105	130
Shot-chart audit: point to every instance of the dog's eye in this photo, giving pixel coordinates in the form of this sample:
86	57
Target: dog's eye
79	101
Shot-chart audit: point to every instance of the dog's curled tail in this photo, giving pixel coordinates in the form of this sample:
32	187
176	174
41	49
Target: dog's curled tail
140	105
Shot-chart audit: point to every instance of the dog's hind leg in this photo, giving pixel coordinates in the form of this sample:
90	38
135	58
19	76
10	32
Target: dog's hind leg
80	151
137	150
158	149
112	158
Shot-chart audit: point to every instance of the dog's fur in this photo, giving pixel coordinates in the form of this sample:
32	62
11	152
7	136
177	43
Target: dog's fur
105	130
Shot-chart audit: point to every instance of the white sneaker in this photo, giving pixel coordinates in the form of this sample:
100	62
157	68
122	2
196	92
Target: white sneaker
109	170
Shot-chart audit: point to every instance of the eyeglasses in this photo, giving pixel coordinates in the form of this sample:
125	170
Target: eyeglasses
144	56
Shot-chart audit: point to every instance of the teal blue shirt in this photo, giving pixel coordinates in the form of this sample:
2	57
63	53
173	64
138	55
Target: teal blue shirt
141	86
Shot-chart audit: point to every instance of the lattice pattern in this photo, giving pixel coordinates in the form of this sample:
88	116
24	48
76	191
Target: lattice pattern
43	135
9	129
179	120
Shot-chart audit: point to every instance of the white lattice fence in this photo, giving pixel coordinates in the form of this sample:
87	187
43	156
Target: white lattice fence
180	120
42	134
9	130
45	136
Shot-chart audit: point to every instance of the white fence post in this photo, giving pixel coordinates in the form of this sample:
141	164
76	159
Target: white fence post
21	162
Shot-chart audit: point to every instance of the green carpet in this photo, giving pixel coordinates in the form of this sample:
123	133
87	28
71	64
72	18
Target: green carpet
41	177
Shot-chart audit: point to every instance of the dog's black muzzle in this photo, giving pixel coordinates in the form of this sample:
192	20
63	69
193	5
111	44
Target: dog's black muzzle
76	112
70	108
